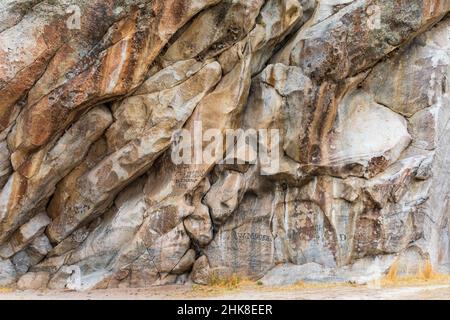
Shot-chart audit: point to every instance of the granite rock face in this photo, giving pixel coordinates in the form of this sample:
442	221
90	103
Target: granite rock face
97	95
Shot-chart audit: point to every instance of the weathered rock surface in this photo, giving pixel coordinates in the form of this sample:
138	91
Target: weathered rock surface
33	281
93	97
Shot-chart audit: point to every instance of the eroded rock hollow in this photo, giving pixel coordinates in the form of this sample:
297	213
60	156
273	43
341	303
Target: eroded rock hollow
92	93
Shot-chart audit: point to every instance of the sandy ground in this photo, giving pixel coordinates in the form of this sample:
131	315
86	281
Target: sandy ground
247	292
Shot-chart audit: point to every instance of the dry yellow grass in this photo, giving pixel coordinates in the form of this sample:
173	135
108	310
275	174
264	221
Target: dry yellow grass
5	290
427	272
425	276
234	283
231	282
301	285
218	284
392	274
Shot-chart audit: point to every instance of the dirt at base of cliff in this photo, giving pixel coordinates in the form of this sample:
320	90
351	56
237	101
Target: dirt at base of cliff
175	292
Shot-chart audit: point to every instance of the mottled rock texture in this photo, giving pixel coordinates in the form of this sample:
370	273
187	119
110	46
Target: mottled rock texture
92	92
